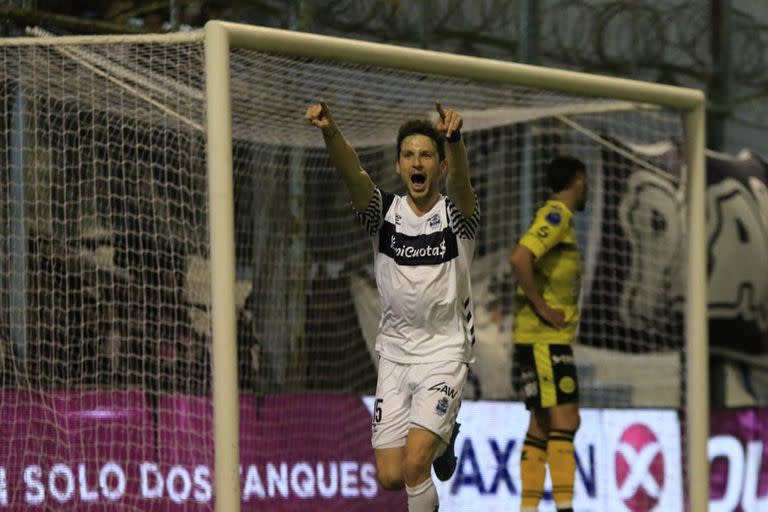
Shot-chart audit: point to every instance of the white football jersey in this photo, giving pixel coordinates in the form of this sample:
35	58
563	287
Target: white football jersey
422	272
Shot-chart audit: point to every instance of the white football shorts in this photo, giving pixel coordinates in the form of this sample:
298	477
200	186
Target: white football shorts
426	395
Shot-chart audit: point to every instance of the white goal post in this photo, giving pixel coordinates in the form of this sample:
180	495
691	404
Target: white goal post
220	37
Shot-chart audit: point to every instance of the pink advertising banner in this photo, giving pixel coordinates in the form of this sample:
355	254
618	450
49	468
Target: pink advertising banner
125	450
113	450
738	454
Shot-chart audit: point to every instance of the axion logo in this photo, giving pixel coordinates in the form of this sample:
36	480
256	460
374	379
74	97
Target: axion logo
639	468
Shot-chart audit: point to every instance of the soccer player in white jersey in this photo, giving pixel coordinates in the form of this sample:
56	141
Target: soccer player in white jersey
423	246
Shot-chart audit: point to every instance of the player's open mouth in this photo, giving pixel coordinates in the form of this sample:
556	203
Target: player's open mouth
419	181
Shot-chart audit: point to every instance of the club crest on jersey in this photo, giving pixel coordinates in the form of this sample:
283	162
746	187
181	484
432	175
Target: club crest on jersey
398	219
434	221
442	407
554	218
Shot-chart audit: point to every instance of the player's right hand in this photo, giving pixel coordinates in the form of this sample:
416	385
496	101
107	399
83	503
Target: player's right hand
552	316
319	115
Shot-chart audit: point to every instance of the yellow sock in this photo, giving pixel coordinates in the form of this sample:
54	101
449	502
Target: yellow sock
533	469
562	466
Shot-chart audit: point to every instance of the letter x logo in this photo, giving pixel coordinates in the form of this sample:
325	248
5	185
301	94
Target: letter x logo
639	463
639	468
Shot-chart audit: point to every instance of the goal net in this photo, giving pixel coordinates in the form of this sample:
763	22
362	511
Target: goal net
105	317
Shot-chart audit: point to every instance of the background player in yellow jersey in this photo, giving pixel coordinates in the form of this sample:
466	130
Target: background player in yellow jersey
547	266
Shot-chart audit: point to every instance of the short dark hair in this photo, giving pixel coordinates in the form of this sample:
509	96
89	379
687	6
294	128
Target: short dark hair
421	127
561	171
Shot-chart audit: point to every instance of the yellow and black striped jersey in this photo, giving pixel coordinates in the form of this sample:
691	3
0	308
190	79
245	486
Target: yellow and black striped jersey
557	271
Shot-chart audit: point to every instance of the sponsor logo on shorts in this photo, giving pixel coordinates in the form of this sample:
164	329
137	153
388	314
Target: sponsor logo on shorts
444	388
530	390
563	359
442	407
567	385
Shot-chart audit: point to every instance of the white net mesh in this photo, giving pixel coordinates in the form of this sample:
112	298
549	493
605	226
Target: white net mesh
631	302
104	217
105	261
632	235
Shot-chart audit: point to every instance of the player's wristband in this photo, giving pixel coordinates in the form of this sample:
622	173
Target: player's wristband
329	132
455	136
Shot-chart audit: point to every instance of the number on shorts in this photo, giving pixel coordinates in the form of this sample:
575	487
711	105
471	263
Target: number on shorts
377	410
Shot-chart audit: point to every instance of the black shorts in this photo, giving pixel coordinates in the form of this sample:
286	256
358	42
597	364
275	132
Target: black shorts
545	375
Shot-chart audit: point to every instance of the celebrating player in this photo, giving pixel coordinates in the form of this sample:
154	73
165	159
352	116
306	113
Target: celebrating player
423	247
547	266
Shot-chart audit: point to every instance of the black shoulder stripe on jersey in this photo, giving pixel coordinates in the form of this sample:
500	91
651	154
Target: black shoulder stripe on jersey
469	325
387	198
432	249
371	217
465	227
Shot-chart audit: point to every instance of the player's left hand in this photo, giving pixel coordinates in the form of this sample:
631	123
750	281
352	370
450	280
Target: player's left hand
552	316
450	120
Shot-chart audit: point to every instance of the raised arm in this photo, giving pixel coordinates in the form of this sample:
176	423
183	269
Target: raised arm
342	155
457	182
